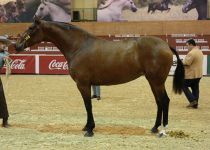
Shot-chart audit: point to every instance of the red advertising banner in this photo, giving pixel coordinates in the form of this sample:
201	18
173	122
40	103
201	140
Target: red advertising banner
53	65
22	65
179	41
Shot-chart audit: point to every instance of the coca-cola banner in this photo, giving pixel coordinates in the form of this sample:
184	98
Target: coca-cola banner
21	64
54	64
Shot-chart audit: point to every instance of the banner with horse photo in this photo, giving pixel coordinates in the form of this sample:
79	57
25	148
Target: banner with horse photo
15	11
151	10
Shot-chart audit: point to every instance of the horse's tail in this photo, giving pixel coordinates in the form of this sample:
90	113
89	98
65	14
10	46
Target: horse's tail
178	80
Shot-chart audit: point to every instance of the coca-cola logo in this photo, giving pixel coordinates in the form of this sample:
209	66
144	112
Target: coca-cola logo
56	65
18	64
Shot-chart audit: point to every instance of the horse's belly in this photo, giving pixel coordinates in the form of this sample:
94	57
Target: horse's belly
118	76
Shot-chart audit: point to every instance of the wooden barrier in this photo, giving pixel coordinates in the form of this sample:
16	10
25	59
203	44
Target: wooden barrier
142	28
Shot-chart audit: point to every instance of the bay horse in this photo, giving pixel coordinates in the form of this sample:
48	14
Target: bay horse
199	5
162	6
95	61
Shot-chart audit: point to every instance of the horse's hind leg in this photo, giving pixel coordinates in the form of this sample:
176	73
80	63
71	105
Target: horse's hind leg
85	91
148	9
166	101
162	102
169	9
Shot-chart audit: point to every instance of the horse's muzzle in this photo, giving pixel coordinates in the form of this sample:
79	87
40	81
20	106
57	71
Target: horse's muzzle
19	47
184	10
134	9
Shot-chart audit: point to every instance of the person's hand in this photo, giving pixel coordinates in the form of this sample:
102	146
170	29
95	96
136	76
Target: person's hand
6	57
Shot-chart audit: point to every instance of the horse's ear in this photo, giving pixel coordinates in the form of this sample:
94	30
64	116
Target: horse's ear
43	1
36	20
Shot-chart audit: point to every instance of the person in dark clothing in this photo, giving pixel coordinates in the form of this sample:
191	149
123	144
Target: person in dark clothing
96	92
4	114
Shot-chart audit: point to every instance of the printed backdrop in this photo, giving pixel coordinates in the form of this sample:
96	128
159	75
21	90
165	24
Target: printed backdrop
13	11
107	11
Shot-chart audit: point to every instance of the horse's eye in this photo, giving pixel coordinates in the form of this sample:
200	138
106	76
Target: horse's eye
41	8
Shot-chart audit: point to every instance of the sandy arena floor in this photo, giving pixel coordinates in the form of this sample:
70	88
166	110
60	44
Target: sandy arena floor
47	113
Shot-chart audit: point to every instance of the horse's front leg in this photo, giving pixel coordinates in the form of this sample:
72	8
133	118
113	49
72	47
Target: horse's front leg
85	91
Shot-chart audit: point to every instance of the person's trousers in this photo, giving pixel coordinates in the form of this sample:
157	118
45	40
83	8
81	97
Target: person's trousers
191	89
3	105
96	90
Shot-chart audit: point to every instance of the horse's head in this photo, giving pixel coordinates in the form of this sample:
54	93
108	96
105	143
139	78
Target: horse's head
34	34
129	4
42	10
189	4
21	6
2	11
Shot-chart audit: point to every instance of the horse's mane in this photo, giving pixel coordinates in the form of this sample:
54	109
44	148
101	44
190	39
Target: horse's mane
68	26
105	3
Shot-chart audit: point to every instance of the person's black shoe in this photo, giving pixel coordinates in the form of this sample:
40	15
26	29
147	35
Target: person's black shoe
5	123
98	98
94	96
193	104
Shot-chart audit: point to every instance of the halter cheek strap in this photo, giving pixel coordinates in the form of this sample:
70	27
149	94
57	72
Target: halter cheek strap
27	38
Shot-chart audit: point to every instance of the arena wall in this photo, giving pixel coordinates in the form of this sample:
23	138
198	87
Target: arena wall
142	28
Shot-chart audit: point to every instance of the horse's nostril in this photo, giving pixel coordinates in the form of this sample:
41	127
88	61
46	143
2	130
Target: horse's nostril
134	9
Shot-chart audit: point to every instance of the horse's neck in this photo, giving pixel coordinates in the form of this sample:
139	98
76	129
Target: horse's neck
67	41
58	14
202	11
116	6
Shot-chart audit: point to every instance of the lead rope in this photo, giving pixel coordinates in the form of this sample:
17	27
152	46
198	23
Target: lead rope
8	72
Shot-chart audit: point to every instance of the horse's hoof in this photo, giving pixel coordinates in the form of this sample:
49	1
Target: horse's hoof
154	130
89	134
162	134
84	129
